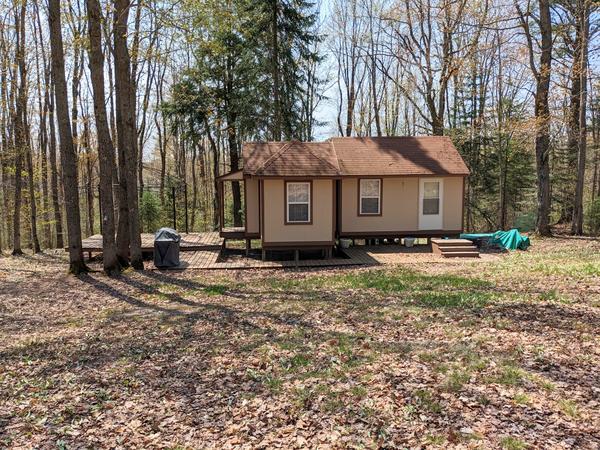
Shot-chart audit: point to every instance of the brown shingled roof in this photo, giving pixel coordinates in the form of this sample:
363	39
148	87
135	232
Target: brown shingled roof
290	159
427	155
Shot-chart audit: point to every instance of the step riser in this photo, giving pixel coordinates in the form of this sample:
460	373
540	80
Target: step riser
458	249
451	242
455	248
460	255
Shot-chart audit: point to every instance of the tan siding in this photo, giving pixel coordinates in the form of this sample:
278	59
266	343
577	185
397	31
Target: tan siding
453	203
400	206
252	206
275	229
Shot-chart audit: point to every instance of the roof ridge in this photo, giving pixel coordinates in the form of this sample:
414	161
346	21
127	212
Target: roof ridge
337	169
337	157
273	157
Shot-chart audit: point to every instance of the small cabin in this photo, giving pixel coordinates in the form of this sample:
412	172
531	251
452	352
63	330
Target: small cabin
306	195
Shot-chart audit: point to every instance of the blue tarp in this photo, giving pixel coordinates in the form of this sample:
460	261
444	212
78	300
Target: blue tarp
510	239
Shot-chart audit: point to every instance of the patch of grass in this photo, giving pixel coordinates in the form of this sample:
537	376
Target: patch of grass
101	397
547	385
569	408
333	402
350	350
409	411
435	439
512	443
273	383
295	362
269	380
294	340
441	368
456	379
111	313
467	299
367	412
483	400
553	295
468	323
359	391
509	375
303	397
432	290
424	399
571	268
215	289
468	357
427	356
75	322
521	399
398	348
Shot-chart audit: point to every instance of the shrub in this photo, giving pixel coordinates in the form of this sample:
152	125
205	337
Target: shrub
150	212
525	222
593	217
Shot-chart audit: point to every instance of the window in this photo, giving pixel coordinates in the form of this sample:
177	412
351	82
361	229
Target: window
298	202
370	197
431	198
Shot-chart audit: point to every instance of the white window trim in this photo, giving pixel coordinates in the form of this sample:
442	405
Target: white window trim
431	221
288	202
361	196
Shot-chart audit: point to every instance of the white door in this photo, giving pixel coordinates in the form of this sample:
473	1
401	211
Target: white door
431	196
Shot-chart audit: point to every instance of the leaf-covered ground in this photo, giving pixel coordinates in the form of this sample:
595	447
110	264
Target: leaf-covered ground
498	354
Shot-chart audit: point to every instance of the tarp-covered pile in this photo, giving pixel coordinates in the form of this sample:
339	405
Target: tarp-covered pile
166	248
510	240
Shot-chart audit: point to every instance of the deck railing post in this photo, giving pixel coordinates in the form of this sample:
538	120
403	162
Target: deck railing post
186	206
174	211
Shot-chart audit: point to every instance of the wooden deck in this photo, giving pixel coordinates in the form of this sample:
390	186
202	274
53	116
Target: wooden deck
233	233
189	242
211	259
378	255
205	251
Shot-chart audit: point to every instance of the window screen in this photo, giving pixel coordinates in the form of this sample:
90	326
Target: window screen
370	196
431	197
298	202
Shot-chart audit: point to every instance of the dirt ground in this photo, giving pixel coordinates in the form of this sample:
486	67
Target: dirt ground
499	353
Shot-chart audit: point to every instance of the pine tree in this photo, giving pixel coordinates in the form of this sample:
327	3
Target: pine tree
283	37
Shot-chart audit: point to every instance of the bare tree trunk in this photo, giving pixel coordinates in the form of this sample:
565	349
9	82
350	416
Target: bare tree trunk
123	218
19	124
583	22
43	75
58	225
89	174
17	201
215	152
542	110
68	156
161	131
106	150
127	136
194	186
6	143
35	242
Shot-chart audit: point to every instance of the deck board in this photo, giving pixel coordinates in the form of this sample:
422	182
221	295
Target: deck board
209	259
189	242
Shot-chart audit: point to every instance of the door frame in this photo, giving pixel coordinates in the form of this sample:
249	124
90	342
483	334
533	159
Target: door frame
431	221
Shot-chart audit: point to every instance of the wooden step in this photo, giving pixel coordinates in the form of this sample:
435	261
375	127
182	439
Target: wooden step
457	248
472	254
451	242
454	248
